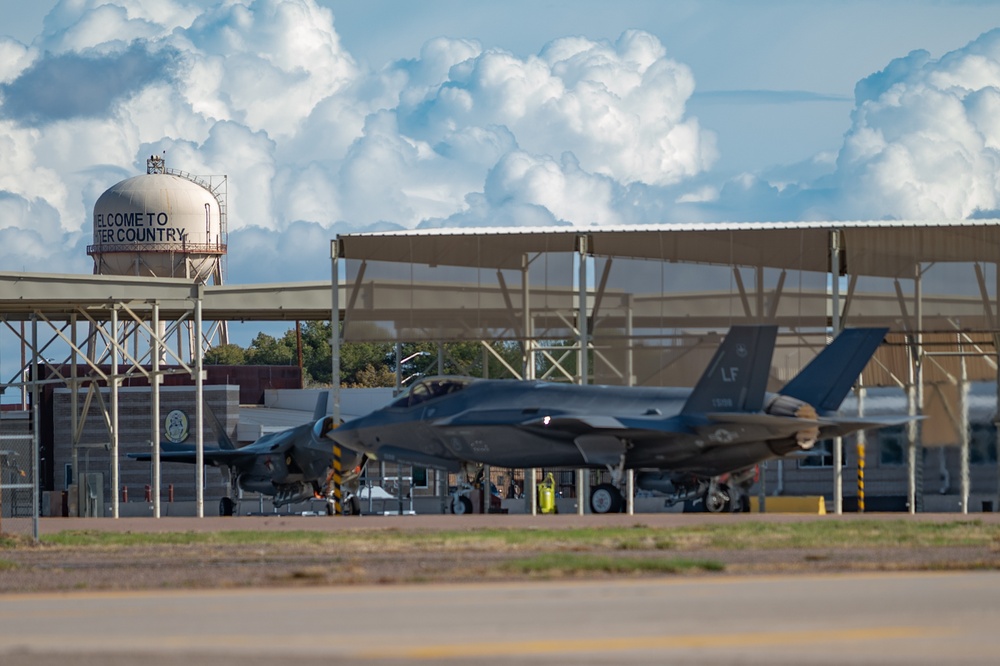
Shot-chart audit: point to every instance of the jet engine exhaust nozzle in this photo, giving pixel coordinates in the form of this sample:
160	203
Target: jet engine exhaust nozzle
783	405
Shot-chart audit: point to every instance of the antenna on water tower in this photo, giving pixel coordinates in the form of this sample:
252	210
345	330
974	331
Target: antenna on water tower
155	164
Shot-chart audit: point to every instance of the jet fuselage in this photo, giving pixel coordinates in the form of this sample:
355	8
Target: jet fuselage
535	424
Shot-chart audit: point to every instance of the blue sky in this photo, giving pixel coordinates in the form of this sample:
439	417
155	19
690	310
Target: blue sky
337	115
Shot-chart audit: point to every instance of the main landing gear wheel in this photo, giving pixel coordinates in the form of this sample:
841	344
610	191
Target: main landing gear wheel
605	498
226	506
718	500
461	505
350	507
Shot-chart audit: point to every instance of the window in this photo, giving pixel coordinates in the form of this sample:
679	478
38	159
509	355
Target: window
419	477
982	443
821	455
892	445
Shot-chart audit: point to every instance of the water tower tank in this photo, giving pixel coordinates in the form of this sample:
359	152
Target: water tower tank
165	223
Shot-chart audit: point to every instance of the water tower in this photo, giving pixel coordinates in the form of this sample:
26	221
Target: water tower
166	223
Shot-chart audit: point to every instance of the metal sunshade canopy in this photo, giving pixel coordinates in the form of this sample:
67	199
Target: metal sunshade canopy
878	249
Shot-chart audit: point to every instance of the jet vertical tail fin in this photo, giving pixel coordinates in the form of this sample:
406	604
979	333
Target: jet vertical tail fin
320	410
826	380
220	432
736	378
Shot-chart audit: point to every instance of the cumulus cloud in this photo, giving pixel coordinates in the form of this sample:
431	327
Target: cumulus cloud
14	58
263	92
925	139
584	133
50	89
619	108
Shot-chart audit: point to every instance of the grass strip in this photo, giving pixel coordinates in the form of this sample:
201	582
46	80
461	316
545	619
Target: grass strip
581	563
750	535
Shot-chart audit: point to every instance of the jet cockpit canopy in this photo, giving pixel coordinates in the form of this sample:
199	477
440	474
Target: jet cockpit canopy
430	388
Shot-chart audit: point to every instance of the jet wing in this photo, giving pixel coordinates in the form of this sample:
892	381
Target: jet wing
399	454
835	427
573	423
278	443
224	457
569	423
534	418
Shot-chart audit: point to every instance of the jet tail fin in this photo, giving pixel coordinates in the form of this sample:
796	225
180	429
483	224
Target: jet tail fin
223	438
320	410
736	377
826	380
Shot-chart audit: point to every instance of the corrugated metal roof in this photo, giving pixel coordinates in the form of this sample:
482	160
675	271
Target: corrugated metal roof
885	248
673	227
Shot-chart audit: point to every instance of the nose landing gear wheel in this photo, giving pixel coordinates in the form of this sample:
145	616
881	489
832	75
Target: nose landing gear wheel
605	498
461	505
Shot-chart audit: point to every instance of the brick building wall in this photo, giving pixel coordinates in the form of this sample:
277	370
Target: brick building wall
134	420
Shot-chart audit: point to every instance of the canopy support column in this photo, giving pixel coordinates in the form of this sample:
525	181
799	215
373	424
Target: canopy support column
155	382
838	442
115	481
963	420
199	403
36	431
74	405
915	400
335	328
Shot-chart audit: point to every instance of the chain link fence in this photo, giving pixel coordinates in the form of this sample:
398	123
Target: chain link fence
17	490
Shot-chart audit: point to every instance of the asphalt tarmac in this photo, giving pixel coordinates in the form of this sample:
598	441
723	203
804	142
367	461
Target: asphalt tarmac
884	618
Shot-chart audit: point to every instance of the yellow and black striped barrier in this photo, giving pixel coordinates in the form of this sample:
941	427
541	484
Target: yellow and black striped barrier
861	475
338	506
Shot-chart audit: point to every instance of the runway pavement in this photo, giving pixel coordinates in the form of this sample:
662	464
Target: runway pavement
911	618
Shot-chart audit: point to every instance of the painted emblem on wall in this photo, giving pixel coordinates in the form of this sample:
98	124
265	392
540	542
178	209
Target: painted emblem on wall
176	426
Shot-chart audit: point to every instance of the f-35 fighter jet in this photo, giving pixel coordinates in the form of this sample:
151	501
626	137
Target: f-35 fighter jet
684	443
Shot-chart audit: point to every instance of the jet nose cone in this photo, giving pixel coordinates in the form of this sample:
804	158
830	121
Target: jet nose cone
346	435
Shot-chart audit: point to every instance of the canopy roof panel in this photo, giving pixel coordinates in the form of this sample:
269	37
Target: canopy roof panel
880	248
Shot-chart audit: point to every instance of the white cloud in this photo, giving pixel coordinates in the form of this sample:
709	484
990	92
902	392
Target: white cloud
263	92
583	133
571	195
14	59
274	60
78	25
925	137
619	108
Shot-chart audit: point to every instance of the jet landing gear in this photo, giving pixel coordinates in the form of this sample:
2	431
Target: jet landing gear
226	506
350	505
718	499
461	505
606	498
730	493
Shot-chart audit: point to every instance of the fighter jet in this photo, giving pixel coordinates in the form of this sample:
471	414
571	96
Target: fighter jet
290	466
683	443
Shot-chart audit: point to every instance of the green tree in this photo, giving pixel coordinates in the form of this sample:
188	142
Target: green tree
266	350
316	352
356	357
372	377
368	364
228	354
